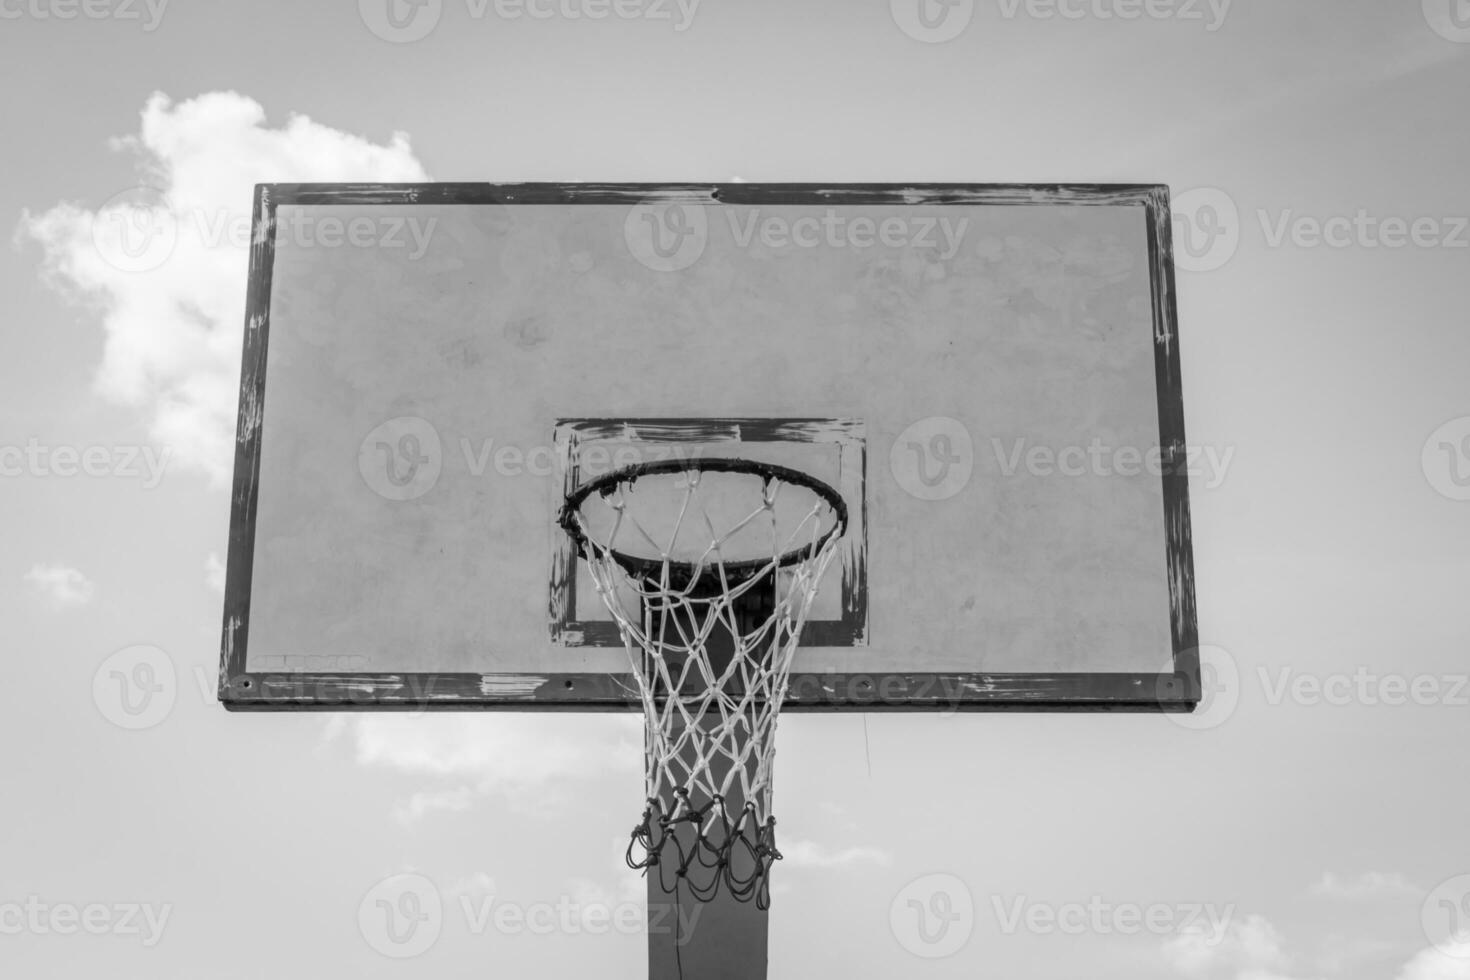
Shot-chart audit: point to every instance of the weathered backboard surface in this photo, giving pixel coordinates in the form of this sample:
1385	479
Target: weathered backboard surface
989	375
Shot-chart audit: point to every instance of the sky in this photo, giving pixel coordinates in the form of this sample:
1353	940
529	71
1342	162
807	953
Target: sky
1309	822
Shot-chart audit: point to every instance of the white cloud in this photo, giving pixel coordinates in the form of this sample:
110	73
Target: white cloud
631	888
809	854
1340	953
1364	887
479	885
214	573
836	817
61	586
173	329
454	800
530	760
1433	964
521	750
1250	949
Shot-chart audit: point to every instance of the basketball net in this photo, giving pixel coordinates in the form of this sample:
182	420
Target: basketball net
710	637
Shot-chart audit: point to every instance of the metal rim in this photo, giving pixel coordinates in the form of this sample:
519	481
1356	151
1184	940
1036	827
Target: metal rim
646	567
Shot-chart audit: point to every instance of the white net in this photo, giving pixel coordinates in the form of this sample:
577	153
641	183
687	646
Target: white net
710	631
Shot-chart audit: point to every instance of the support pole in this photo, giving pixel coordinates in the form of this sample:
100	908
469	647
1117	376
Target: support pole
722	939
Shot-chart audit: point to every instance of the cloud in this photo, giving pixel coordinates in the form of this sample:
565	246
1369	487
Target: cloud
214	573
454	800
1453	963
61	586
1365	887
530	760
1250	949
808	854
477	885
630	888
1340	953
163	265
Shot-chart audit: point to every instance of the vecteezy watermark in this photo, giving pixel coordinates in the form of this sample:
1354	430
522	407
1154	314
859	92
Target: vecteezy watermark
1223	686
832	229
933	459
39	460
592	461
299	228
1445	459
405	21
678	13
1363	230
666	237
404	458
1450	19
404	915
136	687
1206	464
1206	225
1099	917
139	229
1364	687
148	13
569	916
144	921
139	687
932	21
1445	916
945	694
670	236
401	459
135	230
937	21
400	21
1208	230
933	916
1210	13
401	916
1219	695
302	683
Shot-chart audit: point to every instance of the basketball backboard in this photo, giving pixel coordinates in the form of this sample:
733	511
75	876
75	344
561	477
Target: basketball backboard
988	375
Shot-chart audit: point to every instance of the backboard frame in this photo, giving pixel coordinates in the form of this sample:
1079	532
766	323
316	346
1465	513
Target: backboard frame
1175	690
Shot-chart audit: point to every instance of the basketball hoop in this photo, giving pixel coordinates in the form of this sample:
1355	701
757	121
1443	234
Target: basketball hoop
709	567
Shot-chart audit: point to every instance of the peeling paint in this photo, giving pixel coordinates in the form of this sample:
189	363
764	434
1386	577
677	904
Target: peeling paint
252	414
511	685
